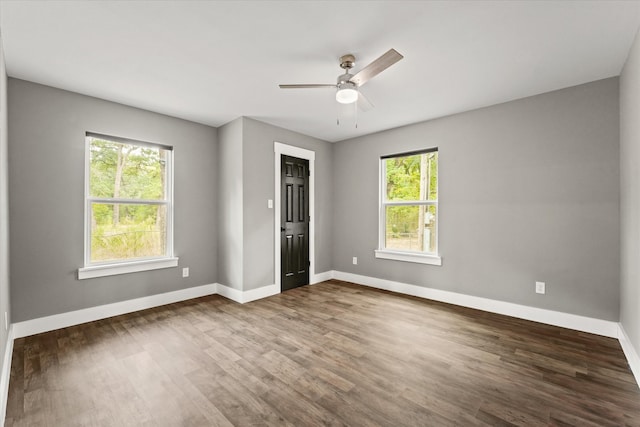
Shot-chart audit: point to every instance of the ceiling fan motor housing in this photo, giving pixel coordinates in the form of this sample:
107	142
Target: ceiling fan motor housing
347	92
347	61
344	78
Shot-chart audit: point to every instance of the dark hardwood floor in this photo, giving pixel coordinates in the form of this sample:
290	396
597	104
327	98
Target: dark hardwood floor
329	354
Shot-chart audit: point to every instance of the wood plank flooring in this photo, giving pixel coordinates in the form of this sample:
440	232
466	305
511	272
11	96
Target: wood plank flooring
329	354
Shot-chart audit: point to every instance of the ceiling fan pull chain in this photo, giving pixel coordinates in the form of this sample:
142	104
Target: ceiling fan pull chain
355	109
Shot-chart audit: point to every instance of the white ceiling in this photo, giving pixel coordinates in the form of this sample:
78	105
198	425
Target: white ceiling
211	62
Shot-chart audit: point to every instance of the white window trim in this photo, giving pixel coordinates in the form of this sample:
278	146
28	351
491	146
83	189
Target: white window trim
126	267
93	270
396	255
408	256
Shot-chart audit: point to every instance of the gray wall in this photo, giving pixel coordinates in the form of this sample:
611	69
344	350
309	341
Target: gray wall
46	199
529	191
259	178
630	195
4	217
230	231
246	182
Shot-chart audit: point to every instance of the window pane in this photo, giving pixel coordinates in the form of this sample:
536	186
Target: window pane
126	171
412	177
411	228
123	231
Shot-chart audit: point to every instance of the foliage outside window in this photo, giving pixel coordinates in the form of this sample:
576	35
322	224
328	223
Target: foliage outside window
128	201
409	203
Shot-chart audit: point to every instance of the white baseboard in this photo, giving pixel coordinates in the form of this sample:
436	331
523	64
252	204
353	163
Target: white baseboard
72	318
321	277
6	375
231	293
247	296
63	320
263	292
630	353
556	318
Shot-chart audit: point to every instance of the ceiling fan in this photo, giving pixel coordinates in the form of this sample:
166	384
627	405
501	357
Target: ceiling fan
347	84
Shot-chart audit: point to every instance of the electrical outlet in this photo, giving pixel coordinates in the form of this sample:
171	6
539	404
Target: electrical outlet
355	260
185	272
540	288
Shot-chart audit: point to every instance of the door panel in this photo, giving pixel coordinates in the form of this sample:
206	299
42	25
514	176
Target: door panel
288	264
289	203
301	206
294	222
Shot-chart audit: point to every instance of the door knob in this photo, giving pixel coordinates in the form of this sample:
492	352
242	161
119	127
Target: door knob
281	228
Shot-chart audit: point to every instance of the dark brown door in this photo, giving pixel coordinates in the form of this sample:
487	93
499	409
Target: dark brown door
294	222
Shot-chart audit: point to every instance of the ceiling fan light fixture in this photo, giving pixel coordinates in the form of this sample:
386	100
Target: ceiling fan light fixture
347	93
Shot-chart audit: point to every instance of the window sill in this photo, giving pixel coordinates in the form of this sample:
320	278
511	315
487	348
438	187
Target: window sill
125	267
409	257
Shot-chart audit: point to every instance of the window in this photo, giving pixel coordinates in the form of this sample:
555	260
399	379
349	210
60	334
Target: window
129	206
409	207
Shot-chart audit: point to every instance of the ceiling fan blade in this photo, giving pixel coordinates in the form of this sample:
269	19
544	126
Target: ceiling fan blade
303	86
376	67
363	103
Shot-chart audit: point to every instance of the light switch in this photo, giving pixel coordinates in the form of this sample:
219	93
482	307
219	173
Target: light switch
270	204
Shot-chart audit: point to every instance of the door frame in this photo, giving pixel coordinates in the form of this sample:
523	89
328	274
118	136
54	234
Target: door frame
281	149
